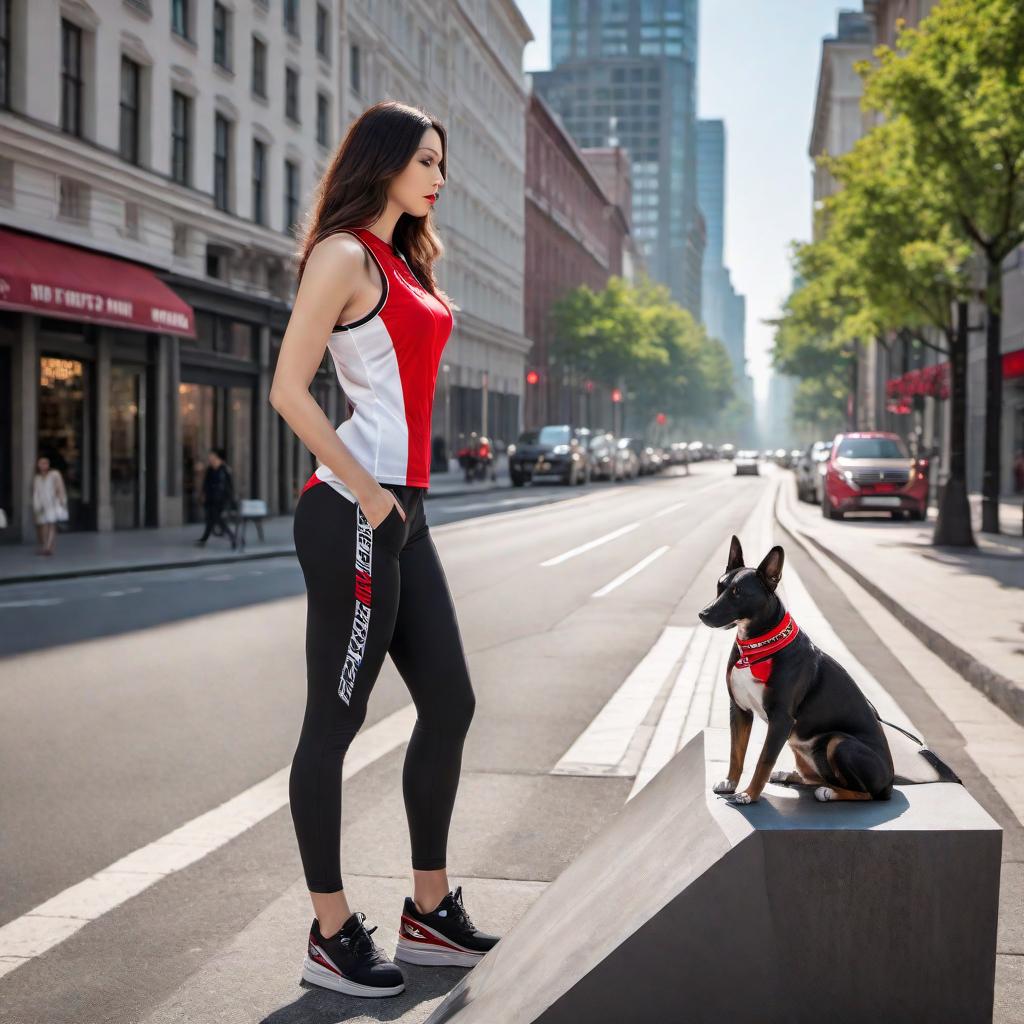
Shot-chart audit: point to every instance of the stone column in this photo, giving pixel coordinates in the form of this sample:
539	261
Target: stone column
25	424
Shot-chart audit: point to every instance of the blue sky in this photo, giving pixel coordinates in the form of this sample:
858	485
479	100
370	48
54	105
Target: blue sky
758	70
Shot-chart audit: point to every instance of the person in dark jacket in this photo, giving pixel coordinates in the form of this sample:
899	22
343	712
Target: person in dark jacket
218	496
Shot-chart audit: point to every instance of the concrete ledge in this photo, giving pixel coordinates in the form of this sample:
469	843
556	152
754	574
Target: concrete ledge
688	908
1003	692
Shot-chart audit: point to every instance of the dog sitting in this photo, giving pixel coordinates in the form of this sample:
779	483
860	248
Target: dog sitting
803	694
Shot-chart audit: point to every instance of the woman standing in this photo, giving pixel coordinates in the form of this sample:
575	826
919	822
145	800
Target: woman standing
49	504
374	584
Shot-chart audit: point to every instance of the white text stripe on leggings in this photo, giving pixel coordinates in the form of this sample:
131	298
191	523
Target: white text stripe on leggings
52	922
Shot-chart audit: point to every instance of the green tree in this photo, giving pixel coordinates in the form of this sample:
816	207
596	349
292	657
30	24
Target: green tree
959	84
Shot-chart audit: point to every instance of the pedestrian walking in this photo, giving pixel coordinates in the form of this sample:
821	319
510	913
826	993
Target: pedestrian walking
49	504
218	497
374	583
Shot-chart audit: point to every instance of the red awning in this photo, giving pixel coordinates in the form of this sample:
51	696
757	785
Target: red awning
41	276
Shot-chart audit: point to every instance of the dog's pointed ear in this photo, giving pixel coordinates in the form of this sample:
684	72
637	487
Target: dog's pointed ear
770	569
735	555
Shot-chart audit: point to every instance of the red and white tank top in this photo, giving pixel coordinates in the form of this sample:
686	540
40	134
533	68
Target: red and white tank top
387	364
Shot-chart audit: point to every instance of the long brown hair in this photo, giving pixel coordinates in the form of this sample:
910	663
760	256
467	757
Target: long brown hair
353	191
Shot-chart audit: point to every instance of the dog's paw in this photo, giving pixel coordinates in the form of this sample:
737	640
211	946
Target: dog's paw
824	794
742	798
785	778
725	786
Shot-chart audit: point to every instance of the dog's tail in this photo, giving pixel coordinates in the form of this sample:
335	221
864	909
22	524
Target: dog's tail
906	749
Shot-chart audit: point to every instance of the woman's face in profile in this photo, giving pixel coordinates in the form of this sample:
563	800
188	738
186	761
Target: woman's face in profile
422	177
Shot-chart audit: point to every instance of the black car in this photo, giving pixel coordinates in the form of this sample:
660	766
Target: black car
556	450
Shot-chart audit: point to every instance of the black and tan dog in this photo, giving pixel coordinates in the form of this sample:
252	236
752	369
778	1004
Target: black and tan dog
804	695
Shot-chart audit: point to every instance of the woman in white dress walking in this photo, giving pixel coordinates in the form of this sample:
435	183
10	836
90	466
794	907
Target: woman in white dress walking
49	504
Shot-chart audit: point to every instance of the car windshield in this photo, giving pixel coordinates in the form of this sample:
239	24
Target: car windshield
553	435
872	448
528	437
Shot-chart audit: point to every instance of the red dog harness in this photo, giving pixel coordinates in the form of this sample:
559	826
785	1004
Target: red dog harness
756	653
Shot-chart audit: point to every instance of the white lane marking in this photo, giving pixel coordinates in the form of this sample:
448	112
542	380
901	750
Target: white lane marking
38	602
630	573
665	740
602	747
51	922
572	553
671	508
121	593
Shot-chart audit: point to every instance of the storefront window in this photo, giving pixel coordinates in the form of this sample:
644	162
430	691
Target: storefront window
126	396
63	431
215	416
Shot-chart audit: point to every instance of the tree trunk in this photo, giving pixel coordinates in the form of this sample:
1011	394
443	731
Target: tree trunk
953	526
993	398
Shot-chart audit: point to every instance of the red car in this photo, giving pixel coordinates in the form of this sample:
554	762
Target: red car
871	471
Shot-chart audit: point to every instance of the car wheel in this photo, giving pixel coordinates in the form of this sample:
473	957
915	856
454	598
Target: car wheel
517	481
918	514
828	512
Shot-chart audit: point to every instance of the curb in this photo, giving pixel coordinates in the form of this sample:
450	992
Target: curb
193	563
1003	692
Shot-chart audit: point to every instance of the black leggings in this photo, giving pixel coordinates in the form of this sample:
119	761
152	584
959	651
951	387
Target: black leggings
371	592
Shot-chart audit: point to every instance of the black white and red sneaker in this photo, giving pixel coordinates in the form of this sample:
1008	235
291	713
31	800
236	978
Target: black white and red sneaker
445	936
351	962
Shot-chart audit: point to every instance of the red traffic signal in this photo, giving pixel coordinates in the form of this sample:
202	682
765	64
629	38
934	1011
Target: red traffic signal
616	395
661	418
532	377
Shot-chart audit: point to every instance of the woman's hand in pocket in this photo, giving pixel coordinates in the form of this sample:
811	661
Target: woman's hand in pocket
378	507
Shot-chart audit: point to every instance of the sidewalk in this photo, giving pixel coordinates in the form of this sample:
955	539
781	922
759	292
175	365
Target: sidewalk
965	606
89	553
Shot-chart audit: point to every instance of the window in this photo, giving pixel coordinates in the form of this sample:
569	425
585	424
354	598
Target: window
353	69
323	128
5	53
73	200
130	75
323	32
71	78
222	36
180	18
181	138
221	162
291	195
259	181
291	94
259	67
290	9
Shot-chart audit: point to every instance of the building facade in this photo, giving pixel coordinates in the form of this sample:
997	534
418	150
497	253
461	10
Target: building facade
576	234
625	74
181	142
724	310
462	61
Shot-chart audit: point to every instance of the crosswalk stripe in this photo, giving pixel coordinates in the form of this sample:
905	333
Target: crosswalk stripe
602	748
665	740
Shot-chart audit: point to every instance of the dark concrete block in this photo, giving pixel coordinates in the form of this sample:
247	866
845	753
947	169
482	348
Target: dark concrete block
686	908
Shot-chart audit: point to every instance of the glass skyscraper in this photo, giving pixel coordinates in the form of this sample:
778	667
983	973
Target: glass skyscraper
624	72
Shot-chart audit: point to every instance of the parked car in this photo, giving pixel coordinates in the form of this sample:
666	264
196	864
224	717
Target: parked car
555	450
696	449
728	451
873	470
603	455
746	463
810	469
629	458
678	454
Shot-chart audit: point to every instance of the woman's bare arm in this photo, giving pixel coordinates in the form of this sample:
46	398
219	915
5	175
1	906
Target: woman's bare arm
328	282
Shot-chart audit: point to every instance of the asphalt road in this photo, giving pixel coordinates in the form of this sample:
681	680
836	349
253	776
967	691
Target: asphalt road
136	704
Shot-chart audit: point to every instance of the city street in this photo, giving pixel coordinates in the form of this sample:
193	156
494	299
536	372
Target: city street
149	720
